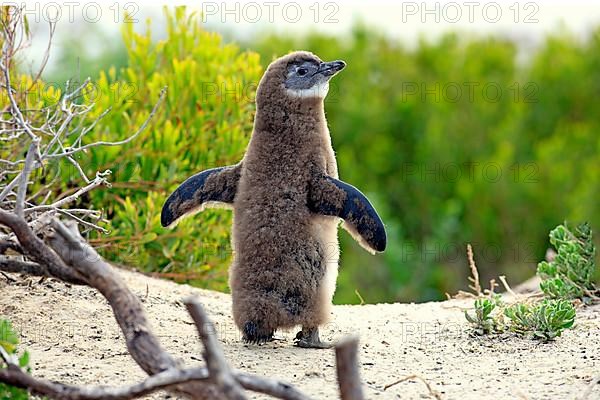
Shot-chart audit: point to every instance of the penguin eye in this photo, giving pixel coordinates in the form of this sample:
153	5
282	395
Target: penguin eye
302	71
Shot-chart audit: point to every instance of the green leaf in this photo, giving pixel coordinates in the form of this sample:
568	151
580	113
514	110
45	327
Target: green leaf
148	237
24	360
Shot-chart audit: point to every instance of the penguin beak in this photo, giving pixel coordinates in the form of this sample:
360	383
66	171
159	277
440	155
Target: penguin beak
331	68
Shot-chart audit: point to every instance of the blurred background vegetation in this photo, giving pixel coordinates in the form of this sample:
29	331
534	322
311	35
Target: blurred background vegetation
454	140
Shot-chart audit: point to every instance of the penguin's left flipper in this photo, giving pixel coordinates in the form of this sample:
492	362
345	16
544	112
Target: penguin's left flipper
213	187
329	196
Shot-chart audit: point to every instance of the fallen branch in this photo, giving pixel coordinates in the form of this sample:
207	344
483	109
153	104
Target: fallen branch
219	372
11	264
36	249
172	377
127	308
346	357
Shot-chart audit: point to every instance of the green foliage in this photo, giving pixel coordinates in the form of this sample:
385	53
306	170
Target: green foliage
428	159
570	274
204	122
430	163
9	341
567	277
544	320
482	320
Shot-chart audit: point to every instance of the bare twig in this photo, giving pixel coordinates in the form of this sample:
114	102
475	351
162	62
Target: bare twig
98	181
46	54
15	110
280	390
163	380
505	284
8	188
432	392
120	142
24	182
474	278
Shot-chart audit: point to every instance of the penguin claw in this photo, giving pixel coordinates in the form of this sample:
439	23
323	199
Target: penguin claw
308	344
308	338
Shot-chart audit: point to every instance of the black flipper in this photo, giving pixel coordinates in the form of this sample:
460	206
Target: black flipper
329	196
217	185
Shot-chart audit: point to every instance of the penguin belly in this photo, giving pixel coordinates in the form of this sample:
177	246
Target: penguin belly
325	230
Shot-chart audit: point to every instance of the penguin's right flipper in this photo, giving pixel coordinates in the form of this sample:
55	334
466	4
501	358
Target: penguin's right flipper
329	196
213	187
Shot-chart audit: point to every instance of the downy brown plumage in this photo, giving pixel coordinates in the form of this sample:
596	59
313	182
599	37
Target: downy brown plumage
287	204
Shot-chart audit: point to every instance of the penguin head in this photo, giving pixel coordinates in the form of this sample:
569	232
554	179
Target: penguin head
298	75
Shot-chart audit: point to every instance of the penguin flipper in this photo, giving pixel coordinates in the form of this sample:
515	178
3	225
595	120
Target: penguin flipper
213	187
329	196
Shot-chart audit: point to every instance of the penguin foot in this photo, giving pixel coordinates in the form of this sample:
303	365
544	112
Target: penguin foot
308	338
254	335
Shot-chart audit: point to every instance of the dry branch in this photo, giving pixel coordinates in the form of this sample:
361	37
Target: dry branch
127	308
346	357
219	372
36	249
164	380
11	264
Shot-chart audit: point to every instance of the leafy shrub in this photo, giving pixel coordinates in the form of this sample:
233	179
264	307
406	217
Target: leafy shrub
205	121
9	341
570	274
483	320
544	320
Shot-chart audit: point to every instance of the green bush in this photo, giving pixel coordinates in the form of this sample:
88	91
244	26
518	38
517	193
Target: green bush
545	320
205	121
570	274
483	320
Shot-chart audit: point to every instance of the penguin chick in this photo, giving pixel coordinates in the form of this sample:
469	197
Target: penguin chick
287	202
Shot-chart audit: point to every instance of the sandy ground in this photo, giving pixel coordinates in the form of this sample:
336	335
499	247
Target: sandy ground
73	338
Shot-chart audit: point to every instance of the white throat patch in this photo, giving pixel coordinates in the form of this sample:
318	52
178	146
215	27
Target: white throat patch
317	91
